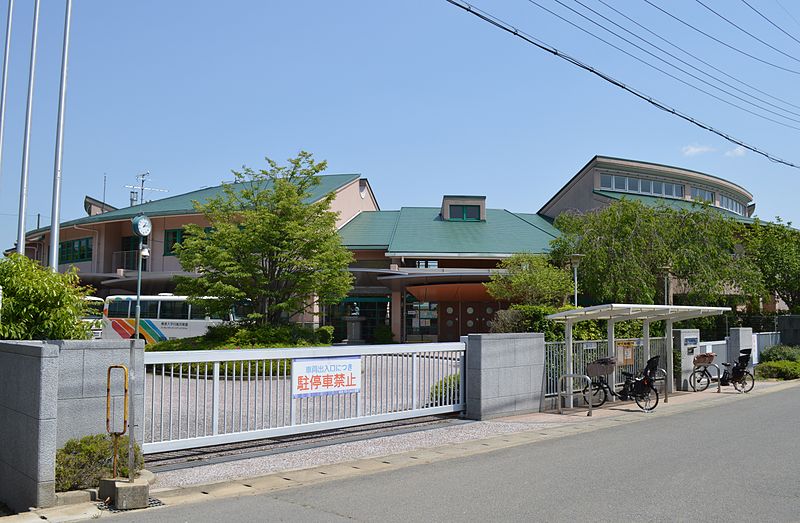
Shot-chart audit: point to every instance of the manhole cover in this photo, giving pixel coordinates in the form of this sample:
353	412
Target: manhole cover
151	502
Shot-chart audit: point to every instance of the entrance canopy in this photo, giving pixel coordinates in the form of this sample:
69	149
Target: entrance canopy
624	311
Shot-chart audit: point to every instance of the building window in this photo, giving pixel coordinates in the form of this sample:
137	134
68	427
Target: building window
701	195
129	255
605	181
74	251
427	264
465	213
641	186
731	204
171	238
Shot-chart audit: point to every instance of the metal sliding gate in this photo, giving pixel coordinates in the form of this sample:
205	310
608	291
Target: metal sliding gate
201	398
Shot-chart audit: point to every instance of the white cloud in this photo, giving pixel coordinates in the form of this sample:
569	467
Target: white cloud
694	150
736	152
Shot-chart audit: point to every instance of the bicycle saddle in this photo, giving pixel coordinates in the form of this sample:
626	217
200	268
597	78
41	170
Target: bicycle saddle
727	364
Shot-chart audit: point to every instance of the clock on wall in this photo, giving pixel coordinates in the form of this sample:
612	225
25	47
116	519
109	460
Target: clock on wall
141	225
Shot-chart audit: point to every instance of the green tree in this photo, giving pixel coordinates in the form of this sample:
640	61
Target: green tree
39	304
627	245
775	249
267	244
529	279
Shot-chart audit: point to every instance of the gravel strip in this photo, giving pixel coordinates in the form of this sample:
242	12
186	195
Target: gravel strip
342	452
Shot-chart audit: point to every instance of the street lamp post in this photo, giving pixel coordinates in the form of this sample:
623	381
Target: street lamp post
666	269
141	228
575	260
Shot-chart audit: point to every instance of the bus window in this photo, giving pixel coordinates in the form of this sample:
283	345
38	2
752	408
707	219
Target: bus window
198	312
174	310
94	310
149	309
118	309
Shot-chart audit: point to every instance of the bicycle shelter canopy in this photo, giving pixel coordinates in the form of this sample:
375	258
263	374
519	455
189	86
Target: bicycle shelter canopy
614	312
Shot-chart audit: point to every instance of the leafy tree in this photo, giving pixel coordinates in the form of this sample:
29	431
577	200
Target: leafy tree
775	249
268	244
529	279
39	304
627	245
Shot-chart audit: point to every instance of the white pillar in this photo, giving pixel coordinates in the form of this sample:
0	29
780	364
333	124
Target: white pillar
611	354
570	362
646	339
669	342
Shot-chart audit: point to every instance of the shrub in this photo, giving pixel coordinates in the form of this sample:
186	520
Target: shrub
325	334
782	370
221	332
446	390
40	304
780	353
383	334
81	463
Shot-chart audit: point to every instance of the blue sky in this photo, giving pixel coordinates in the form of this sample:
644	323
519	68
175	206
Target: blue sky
418	96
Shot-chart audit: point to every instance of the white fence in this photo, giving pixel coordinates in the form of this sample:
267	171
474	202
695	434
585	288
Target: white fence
585	352
201	398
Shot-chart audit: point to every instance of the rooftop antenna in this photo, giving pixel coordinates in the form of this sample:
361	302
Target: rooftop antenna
141	178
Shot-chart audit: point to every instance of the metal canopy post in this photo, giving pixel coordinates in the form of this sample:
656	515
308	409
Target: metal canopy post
570	364
670	377
611	354
646	339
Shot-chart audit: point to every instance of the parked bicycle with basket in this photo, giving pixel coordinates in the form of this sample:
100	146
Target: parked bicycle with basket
640	388
735	374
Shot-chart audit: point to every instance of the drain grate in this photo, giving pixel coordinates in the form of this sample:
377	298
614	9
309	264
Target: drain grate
151	502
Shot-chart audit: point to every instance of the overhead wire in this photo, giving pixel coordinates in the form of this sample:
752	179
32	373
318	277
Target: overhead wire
674	77
787	12
745	31
500	24
745	100
729	46
762	15
704	62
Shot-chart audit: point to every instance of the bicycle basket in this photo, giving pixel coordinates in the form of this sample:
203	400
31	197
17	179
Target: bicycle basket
601	367
704	359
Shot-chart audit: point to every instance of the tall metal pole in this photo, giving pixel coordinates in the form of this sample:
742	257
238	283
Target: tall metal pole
23	186
575	277
4	80
55	215
132	371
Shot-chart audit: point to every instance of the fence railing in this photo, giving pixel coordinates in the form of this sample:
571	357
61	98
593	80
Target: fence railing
201	398
585	352
765	340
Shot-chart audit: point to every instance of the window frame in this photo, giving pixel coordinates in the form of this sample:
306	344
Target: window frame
75	251
169	245
463	217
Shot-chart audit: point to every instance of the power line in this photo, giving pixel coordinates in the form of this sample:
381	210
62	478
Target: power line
552	50
745	100
787	12
729	46
707	64
748	33
762	15
681	80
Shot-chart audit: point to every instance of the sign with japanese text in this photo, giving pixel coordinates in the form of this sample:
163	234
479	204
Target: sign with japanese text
625	352
320	376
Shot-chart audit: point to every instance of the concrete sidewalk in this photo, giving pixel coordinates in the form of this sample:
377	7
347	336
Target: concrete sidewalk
279	471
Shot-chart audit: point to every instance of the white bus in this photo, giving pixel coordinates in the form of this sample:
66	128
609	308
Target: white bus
94	315
163	317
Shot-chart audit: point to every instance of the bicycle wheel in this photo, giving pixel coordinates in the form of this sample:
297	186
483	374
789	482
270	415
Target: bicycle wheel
746	383
598	395
700	380
648	400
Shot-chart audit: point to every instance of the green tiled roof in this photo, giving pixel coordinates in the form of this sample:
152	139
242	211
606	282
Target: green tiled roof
370	230
182	203
672	203
421	230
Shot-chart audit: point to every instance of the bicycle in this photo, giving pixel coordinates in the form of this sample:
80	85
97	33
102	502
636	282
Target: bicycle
641	388
735	374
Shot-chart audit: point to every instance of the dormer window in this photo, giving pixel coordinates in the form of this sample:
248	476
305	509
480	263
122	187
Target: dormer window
464	208
465	213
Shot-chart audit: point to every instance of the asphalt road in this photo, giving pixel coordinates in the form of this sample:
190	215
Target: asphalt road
739	460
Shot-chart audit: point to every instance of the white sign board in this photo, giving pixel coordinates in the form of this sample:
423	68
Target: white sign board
321	376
